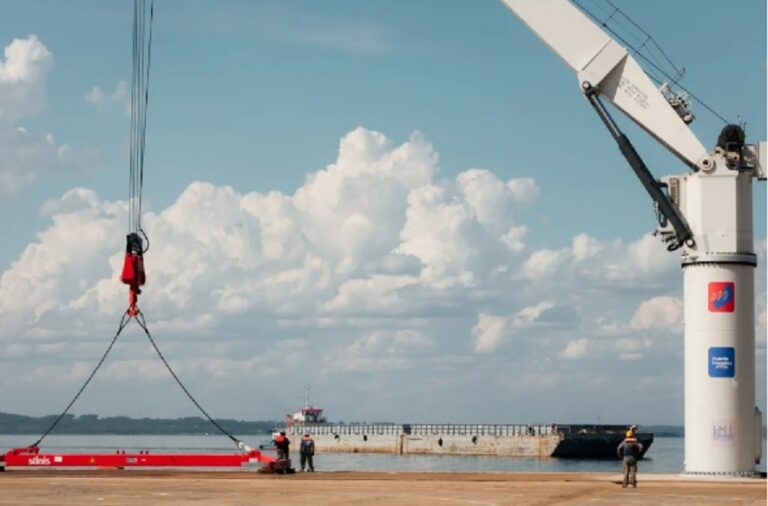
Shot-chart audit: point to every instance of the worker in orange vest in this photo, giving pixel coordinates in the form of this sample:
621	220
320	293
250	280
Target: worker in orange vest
630	451
282	443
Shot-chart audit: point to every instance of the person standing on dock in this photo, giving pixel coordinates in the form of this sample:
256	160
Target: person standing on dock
630	450
282	443
307	451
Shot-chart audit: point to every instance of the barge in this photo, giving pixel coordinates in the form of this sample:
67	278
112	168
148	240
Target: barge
565	441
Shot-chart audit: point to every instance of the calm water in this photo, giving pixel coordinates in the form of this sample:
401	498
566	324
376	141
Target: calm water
665	455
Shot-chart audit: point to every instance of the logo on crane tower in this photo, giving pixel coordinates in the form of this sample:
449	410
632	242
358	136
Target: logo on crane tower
722	362
722	298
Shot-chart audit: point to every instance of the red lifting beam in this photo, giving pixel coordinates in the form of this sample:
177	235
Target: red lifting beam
25	458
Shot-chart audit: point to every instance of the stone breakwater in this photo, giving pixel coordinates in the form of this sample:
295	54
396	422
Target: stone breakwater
499	440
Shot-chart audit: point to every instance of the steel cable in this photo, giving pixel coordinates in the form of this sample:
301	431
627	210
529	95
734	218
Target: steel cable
648	60
142	323
123	323
126	318
142	57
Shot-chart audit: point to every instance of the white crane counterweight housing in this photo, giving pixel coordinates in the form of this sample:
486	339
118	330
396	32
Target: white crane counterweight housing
707	212
600	61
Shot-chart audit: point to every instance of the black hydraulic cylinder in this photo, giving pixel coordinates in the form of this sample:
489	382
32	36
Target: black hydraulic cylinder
651	186
666	207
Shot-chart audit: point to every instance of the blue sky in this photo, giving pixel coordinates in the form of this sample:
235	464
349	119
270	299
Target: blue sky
257	95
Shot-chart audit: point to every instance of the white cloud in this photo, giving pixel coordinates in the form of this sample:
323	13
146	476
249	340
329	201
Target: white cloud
378	293
96	96
584	247
629	348
544	263
575	349
493	201
117	97
489	332
381	351
23	78
25	156
514	238
664	312
592	263
375	266
372	234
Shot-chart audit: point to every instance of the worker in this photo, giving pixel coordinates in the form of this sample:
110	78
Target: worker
630	450
282	443
307	451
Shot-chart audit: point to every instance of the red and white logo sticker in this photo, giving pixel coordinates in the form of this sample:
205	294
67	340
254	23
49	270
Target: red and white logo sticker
722	297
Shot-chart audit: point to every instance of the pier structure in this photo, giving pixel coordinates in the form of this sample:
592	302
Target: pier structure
504	440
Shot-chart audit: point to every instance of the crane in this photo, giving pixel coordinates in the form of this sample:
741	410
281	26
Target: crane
706	213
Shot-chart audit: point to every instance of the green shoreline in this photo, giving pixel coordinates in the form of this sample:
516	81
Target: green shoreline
93	424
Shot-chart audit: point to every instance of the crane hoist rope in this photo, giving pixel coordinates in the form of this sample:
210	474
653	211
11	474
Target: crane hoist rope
137	241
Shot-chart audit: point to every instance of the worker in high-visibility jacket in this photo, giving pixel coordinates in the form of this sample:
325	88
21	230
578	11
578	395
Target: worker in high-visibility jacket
282	444
630	451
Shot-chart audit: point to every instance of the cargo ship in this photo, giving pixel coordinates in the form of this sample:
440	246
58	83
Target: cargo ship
564	441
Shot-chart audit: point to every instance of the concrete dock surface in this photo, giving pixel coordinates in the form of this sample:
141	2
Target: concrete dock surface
149	488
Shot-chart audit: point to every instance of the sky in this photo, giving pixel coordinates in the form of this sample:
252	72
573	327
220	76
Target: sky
406	205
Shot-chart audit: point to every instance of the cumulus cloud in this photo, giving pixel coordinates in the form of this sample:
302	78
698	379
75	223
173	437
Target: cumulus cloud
658	312
26	156
380	351
544	263
375	266
372	234
489	332
630	348
23	78
575	349
593	263
100	98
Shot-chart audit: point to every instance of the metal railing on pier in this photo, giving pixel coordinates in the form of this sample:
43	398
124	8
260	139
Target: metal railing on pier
446	429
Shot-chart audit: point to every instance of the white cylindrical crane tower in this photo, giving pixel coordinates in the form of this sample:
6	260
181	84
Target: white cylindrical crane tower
719	315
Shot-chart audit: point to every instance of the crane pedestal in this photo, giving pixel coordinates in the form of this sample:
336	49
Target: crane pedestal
719	369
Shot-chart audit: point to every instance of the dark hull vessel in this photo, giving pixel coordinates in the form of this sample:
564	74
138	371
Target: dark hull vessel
564	441
595	441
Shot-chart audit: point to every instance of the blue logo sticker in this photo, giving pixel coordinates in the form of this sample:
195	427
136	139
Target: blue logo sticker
722	362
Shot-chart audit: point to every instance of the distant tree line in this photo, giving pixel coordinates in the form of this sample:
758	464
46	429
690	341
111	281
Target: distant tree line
93	424
663	430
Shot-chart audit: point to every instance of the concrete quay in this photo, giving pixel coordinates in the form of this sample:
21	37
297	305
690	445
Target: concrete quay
160	488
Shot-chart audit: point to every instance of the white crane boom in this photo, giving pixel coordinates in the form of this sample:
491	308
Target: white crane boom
600	61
